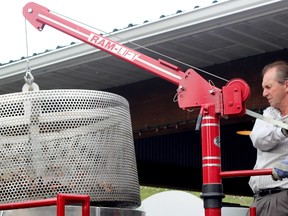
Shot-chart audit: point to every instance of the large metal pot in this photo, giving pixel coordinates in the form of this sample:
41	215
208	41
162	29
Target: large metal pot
67	141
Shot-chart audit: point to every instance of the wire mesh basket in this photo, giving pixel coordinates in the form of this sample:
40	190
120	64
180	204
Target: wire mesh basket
67	141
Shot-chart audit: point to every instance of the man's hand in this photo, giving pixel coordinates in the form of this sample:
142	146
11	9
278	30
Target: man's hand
280	170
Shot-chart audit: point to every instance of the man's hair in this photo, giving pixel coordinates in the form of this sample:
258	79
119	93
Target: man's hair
281	69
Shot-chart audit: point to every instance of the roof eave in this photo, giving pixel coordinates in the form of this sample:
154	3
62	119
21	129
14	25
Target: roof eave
198	20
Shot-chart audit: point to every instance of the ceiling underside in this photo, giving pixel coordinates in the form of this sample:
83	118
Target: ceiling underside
200	38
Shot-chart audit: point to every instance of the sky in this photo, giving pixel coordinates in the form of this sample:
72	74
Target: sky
104	15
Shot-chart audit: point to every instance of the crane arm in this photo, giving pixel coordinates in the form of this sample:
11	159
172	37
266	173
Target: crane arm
40	16
193	90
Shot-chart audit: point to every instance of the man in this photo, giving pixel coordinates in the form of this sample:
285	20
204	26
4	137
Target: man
271	142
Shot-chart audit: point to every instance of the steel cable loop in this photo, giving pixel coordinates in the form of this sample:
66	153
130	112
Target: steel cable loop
28	77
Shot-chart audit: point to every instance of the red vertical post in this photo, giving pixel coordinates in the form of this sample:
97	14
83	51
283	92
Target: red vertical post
63	199
212	188
60	210
252	211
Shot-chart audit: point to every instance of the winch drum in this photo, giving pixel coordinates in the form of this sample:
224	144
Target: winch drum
67	141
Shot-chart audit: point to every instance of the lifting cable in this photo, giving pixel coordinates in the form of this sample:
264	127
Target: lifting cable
29	85
143	47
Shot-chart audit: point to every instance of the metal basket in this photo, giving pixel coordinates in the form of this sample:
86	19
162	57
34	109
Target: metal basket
67	141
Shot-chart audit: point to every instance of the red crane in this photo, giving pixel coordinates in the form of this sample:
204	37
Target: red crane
214	103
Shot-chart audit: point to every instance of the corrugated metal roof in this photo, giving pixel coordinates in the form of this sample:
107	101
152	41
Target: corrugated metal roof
114	30
207	36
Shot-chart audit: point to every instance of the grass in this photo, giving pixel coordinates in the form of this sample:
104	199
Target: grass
145	192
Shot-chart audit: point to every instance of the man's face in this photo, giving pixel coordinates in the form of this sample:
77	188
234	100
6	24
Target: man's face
273	90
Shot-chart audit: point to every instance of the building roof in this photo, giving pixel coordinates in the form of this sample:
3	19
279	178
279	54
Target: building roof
200	38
